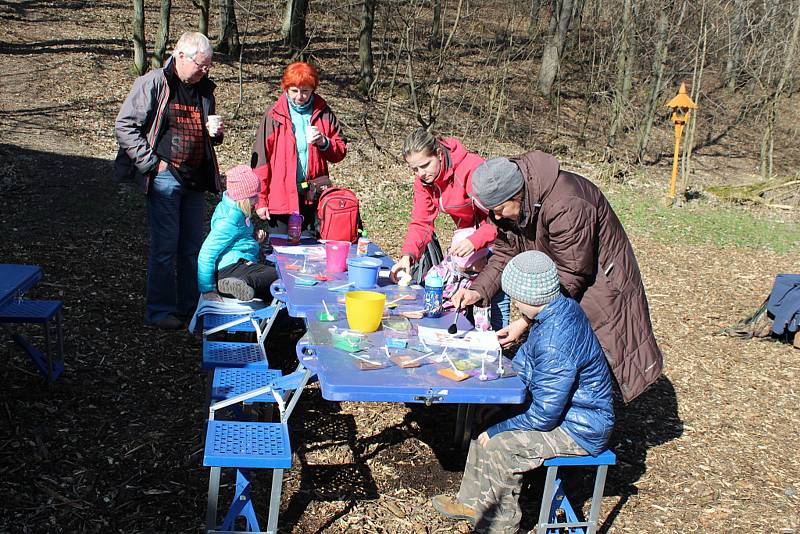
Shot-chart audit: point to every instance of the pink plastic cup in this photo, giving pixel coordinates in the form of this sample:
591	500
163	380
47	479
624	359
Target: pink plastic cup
336	256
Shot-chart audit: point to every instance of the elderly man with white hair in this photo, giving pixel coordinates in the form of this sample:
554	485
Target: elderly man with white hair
166	144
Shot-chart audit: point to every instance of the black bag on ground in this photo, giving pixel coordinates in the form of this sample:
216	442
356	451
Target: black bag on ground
432	255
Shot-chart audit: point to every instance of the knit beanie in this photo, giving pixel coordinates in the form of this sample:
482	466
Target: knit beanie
495	181
531	278
242	182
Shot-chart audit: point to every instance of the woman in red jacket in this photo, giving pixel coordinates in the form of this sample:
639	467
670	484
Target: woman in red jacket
443	183
296	139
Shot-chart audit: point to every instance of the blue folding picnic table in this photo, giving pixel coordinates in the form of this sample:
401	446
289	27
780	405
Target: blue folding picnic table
303	300
15	280
341	380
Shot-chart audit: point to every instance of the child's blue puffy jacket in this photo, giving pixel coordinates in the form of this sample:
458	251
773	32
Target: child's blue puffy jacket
230	240
565	371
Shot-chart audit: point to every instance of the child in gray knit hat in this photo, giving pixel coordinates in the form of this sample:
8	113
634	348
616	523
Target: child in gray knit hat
569	411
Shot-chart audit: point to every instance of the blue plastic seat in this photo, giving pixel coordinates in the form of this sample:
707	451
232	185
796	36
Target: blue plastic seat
42	312
604	458
251	445
231	381
247	444
258	321
556	513
240	354
214	320
233	354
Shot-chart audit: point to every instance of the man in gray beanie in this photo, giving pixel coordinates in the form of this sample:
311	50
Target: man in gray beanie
538	206
494	182
569	411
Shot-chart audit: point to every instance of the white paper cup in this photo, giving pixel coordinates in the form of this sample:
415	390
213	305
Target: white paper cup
214	124
310	132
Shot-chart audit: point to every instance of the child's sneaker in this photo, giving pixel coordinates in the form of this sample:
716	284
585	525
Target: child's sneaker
236	287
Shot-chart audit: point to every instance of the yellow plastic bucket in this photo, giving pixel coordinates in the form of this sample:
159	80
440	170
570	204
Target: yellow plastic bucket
364	310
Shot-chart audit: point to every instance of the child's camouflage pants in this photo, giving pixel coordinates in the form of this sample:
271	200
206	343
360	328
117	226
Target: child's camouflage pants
493	475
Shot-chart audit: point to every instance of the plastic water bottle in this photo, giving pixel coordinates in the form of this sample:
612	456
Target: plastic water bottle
363	244
295	227
434	286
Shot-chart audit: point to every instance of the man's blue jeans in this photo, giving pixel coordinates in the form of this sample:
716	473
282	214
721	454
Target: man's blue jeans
175	217
500	312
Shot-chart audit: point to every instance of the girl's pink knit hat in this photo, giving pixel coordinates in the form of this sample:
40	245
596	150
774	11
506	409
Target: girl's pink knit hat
242	182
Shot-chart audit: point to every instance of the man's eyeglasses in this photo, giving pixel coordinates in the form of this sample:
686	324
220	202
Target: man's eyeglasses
204	68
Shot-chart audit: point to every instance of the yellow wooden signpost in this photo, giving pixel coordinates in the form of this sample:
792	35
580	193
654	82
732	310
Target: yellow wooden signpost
681	105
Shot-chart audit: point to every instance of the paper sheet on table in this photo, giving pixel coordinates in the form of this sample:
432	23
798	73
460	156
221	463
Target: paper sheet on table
474	339
314	252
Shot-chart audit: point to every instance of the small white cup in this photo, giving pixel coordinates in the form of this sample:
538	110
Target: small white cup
311	131
214	124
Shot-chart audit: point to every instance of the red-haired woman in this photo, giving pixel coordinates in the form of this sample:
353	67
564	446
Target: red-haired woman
296	139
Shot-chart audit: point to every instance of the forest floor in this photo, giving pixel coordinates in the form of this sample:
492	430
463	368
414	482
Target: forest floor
115	444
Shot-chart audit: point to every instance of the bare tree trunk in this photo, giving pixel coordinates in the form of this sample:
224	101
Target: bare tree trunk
551	57
659	66
293	29
768	142
552	26
249	12
436	97
736	32
790	52
436	25
228	29
160	48
533	18
622	85
202	24
139	44
365	45
770	19
577	13
697	83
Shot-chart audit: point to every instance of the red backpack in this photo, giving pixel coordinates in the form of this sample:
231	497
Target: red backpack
338	215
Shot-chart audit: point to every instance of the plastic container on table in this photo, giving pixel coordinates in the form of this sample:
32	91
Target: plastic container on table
295	227
363	244
336	256
396	332
364	310
362	272
434	286
348	341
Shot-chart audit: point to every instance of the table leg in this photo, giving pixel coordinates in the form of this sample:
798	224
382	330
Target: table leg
463	429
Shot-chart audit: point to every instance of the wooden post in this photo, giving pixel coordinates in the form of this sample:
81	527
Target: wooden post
681	105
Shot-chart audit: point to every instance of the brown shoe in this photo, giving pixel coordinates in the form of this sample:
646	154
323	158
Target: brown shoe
452	508
170	322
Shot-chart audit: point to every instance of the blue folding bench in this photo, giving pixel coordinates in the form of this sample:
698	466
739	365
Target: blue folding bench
556	513
239	323
45	313
240	354
245	445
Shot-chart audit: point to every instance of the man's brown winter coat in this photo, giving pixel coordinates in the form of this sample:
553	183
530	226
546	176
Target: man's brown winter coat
568	218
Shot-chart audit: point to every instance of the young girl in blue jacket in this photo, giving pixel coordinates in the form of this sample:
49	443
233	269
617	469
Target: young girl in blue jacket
569	410
228	262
